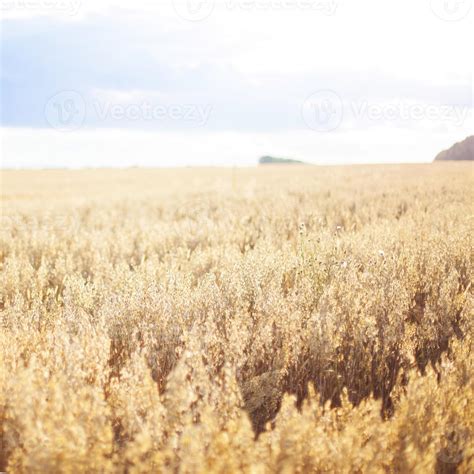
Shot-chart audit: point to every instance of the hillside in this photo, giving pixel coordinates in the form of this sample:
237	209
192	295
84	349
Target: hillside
461	151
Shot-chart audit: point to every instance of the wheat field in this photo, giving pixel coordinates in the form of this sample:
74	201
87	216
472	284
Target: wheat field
273	319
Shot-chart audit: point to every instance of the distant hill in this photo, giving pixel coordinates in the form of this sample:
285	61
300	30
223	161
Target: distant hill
271	160
459	151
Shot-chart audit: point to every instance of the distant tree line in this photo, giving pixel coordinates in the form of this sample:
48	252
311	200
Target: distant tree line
266	160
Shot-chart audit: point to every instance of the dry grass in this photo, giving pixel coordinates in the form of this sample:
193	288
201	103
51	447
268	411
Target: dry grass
262	320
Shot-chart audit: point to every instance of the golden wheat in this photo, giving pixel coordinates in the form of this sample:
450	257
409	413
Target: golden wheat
279	319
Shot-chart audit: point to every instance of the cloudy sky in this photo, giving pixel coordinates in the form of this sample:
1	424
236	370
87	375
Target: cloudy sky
222	82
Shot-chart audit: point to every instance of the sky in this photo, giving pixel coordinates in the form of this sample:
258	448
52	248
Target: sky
222	82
